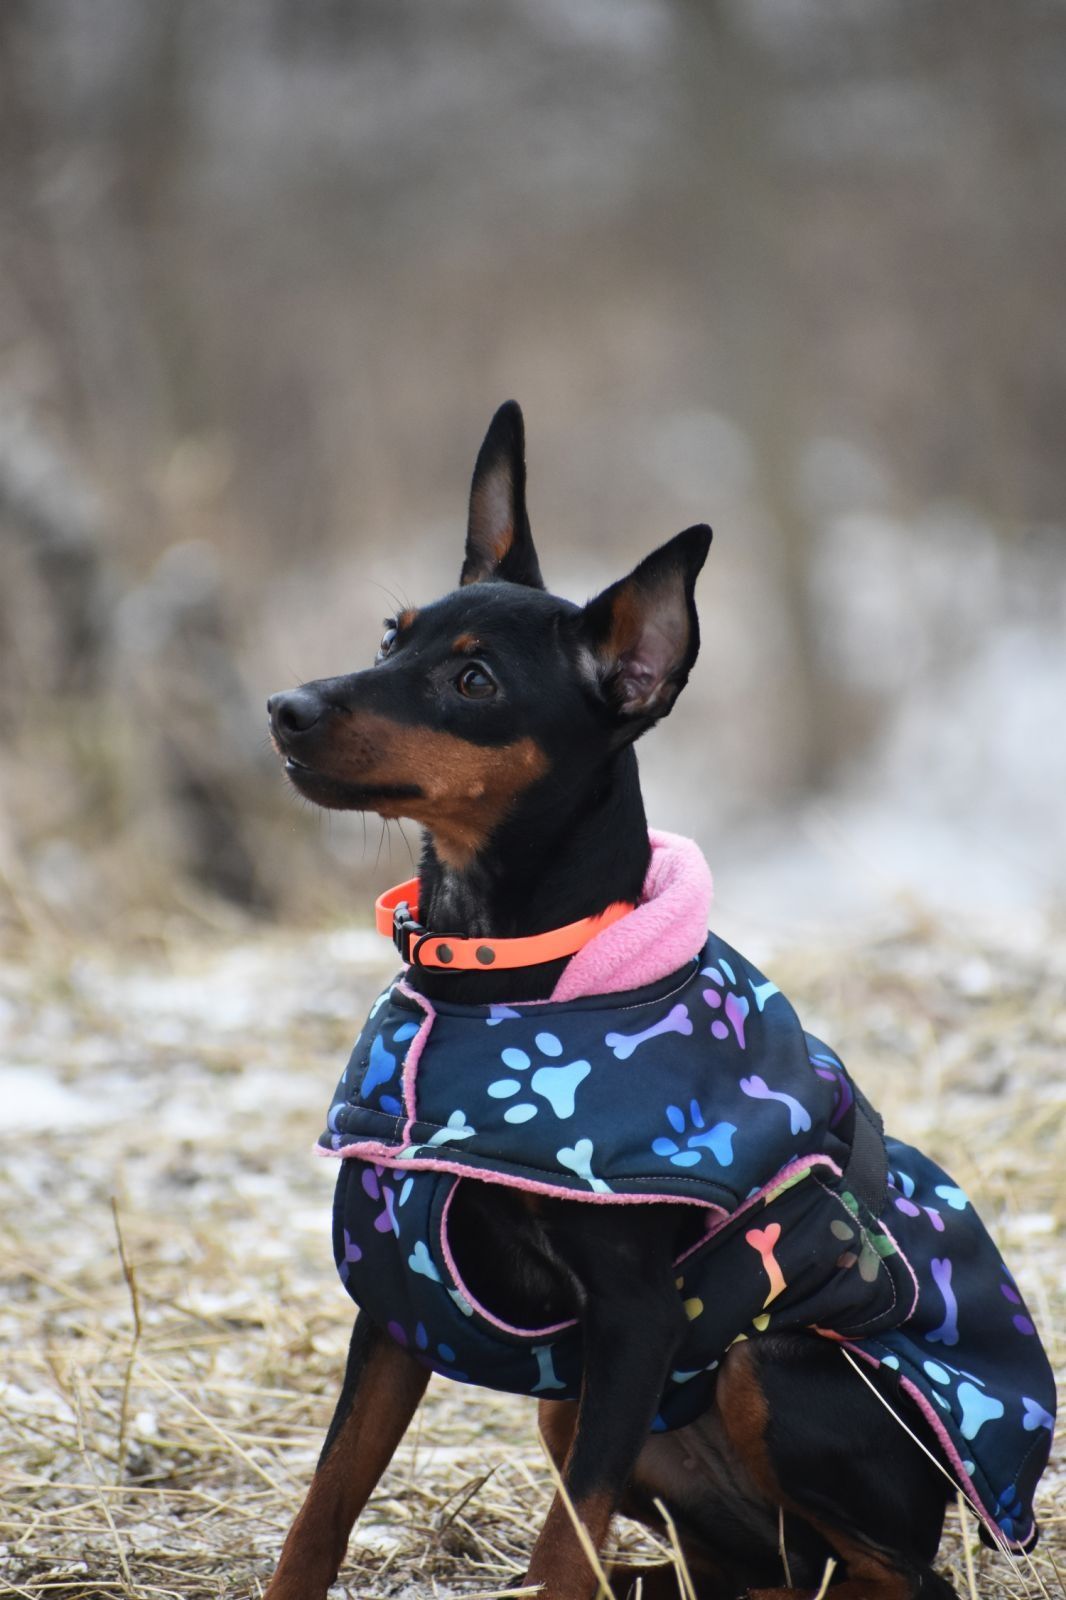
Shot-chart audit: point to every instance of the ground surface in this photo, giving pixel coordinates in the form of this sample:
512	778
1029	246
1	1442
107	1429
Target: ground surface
157	1433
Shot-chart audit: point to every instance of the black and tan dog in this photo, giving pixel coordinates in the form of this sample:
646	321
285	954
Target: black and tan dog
503	720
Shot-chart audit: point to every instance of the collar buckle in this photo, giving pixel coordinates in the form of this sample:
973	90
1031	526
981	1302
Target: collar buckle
404	925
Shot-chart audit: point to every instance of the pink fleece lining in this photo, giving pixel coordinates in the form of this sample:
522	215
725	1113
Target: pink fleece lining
667	929
409	1077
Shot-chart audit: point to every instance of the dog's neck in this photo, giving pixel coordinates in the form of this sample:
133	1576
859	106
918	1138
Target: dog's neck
558	858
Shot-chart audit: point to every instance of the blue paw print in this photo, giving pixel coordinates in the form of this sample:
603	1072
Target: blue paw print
556	1085
1009	1512
718	1140
382	1065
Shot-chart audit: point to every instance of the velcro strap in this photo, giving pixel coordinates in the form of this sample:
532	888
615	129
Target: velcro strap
866	1173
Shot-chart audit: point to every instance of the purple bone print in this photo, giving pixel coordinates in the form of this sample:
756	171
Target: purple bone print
378	1189
757	1088
909	1209
352	1254
948	1331
624	1044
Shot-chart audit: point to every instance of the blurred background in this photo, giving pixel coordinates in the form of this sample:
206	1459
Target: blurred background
793	267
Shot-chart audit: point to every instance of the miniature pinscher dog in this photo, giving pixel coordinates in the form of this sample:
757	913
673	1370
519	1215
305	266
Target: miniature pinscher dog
503	720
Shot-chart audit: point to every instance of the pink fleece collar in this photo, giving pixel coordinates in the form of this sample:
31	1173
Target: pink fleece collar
667	929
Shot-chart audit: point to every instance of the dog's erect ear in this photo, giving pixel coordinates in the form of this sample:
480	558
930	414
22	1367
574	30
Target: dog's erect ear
499	545
642	634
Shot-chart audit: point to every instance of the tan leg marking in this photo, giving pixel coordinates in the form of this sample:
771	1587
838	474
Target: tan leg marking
389	1388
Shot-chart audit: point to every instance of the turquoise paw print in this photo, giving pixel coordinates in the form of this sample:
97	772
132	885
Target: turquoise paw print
718	1140
556	1085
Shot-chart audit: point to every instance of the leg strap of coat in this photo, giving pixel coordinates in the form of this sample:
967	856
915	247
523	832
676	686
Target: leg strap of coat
866	1174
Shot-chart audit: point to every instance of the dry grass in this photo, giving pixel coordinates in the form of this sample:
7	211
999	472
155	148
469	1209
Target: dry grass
167	1369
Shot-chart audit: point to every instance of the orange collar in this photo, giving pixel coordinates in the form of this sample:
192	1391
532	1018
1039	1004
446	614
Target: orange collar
396	914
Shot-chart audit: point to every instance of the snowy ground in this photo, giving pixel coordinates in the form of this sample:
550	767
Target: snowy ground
158	1430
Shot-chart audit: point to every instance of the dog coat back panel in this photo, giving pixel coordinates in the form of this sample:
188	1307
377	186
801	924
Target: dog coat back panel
703	1088
647	1094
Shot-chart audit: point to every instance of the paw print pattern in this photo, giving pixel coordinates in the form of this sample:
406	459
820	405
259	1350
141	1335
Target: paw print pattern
718	1140
858	1249
976	1408
726	998
1019	1319
556	1085
381	1067
441	1359
1009	1511
1036	1416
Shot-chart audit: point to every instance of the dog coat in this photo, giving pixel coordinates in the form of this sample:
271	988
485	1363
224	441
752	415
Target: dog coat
701	1088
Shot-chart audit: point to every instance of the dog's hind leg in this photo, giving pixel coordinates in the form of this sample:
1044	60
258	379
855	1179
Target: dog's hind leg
557	1421
382	1387
824	1449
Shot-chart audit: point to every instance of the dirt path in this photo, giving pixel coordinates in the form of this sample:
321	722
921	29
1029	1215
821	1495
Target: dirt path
157	1432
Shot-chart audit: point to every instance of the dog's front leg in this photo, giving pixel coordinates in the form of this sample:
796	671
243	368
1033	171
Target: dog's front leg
629	1340
381	1391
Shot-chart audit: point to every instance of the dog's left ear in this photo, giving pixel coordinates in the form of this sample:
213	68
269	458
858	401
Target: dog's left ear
499	545
642	634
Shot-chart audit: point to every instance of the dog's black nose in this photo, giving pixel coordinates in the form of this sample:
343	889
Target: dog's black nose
294	712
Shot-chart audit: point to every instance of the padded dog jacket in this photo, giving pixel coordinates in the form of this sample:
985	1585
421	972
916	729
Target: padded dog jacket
701	1089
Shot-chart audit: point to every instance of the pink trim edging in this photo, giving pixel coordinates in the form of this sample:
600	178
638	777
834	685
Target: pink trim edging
385	1155
483	1310
409	1073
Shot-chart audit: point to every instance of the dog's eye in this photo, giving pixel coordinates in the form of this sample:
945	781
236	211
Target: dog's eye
388	639
475	683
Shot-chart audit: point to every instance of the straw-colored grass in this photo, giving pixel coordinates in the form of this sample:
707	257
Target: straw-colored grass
171	1328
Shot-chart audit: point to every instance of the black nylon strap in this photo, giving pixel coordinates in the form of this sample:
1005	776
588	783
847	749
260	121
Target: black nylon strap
866	1174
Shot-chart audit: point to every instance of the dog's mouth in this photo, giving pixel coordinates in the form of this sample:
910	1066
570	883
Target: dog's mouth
338	794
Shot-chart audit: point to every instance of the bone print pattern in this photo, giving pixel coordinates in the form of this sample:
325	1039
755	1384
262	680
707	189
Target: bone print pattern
705	1090
624	1044
763	1240
799	1118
